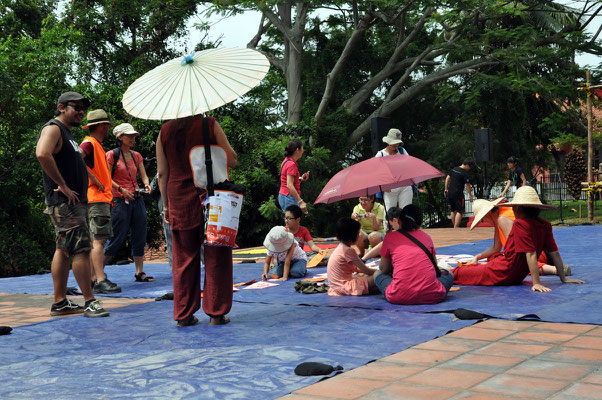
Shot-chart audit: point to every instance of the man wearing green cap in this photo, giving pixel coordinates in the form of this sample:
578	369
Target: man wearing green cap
65	187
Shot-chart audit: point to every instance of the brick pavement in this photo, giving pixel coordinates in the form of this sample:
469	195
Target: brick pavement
25	309
493	359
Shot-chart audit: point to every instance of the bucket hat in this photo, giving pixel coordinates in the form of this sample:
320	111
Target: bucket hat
526	196
278	240
393	137
96	117
481	208
125	129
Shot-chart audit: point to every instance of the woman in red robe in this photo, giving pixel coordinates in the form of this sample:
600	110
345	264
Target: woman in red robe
530	235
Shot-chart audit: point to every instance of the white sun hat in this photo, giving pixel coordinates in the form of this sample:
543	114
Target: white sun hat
278	240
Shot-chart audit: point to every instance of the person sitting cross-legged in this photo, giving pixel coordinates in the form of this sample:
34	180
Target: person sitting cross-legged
370	215
406	273
344	263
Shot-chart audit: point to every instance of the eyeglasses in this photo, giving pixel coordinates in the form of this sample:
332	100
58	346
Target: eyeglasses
77	107
365	200
289	218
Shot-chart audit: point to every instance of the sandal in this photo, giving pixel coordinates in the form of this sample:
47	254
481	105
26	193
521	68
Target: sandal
142	277
221	320
192	320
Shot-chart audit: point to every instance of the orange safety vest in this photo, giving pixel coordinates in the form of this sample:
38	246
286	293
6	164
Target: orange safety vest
506	212
101	171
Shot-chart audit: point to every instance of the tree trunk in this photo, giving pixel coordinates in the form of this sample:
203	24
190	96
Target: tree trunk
293	82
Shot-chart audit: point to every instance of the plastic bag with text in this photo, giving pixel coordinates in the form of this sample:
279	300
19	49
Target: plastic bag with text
223	216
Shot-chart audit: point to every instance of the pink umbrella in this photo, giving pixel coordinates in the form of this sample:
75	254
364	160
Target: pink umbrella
376	175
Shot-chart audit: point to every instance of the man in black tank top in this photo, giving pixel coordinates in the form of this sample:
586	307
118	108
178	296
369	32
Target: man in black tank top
65	186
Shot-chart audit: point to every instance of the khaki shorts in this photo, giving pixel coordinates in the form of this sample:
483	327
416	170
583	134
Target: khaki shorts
99	215
70	227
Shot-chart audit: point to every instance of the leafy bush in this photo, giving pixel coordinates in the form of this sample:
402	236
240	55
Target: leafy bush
27	244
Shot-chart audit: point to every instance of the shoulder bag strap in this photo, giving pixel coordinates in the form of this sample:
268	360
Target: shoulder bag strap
208	161
126	166
283	164
423	247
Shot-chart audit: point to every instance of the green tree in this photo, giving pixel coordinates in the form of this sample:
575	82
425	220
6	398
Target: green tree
34	68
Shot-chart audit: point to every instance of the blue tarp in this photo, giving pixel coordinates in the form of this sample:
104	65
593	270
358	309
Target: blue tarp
566	303
138	352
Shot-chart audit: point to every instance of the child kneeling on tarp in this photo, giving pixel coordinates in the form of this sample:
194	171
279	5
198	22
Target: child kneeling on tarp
290	259
344	263
530	235
408	271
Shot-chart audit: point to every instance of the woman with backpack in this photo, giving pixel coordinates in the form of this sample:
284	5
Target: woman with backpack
129	211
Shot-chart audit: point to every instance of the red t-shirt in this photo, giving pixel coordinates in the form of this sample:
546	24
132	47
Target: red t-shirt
126	178
302	236
511	268
88	153
414	277
289	167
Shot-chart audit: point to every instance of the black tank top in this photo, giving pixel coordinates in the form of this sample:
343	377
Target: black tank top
71	166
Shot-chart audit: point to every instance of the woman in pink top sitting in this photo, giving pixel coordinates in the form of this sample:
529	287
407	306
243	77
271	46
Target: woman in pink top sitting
407	274
344	263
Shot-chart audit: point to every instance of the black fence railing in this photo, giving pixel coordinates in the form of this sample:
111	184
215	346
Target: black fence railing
436	210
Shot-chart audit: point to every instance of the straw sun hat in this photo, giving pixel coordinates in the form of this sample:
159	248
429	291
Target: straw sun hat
96	117
481	208
278	240
526	196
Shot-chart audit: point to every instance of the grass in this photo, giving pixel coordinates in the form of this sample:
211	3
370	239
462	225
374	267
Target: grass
570	212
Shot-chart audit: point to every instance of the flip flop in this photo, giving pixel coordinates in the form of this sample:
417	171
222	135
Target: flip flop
142	277
190	321
220	321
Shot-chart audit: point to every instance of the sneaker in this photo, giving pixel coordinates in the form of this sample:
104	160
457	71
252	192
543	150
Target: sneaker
93	309
106	287
65	307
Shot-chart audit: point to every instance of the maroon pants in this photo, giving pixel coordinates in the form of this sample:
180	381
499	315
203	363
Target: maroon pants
217	289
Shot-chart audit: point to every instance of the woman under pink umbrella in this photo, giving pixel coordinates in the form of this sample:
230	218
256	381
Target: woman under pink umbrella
403	195
370	215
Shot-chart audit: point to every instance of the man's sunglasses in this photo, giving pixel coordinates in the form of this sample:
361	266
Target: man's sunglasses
77	107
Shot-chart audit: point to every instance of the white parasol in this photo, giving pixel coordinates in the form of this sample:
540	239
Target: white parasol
195	84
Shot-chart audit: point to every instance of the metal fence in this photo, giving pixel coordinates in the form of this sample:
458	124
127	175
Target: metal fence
550	188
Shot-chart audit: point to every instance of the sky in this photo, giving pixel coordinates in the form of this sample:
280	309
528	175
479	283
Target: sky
238	30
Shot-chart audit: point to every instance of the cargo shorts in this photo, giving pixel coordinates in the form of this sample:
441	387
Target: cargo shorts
99	215
70	227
